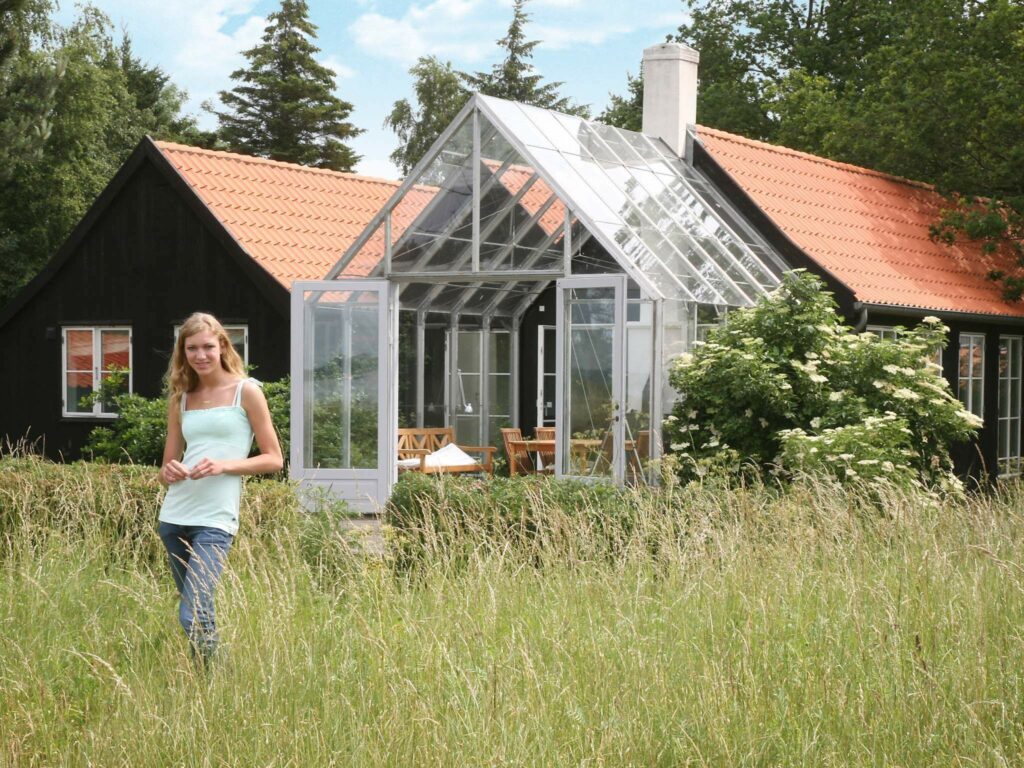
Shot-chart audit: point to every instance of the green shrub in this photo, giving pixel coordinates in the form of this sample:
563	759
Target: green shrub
779	379
138	434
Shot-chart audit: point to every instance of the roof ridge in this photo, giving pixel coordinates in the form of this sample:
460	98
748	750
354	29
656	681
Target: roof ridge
224	154
814	158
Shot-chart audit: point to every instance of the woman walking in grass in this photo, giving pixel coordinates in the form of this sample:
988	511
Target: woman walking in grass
213	412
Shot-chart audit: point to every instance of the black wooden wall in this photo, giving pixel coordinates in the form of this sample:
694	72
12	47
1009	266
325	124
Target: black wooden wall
148	259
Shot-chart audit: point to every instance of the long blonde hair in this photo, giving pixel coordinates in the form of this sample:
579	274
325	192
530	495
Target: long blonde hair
181	378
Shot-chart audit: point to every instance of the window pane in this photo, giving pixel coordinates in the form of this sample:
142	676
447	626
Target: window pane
237	338
341	371
114	350
79	386
79	351
500	394
501	353
469	351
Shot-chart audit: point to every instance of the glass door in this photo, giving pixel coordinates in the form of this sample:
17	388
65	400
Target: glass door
343	396
590	377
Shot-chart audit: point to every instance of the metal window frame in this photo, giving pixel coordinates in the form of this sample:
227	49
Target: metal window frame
618	284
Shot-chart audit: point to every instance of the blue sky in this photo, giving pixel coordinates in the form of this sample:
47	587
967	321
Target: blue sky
590	45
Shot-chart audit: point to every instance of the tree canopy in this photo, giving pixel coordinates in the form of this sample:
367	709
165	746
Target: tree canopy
86	101
283	106
440	91
929	90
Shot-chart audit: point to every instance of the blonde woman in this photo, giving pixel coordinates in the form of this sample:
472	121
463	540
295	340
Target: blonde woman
213	413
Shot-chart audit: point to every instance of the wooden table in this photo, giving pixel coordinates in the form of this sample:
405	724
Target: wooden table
536	447
579	448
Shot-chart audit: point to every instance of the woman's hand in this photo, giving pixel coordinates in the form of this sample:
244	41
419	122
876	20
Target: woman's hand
207	468
173	471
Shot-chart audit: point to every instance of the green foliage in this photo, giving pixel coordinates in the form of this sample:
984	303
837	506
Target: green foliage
439	96
441	91
111	507
514	77
430	511
284	106
626	111
772	628
27	85
785	386
73	104
929	90
138	434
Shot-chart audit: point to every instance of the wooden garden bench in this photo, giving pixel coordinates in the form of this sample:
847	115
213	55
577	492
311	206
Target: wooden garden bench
420	442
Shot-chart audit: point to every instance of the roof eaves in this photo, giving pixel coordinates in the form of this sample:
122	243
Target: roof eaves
952	314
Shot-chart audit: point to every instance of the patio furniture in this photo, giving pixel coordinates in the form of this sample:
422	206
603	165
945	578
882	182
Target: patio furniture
519	449
425	449
546	433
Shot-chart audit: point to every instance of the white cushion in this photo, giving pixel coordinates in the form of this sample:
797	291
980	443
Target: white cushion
450	456
409	463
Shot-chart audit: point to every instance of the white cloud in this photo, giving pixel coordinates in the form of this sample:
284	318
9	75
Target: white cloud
462	30
342	71
199	43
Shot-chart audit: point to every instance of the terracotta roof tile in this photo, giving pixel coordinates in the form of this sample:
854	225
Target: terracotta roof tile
296	222
869	229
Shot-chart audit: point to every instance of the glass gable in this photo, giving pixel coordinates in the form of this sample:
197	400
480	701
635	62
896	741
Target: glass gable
494	197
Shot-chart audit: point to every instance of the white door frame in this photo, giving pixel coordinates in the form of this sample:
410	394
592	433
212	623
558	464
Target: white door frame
618	284
365	490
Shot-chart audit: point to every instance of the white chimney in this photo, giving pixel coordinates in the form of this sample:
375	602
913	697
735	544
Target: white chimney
670	93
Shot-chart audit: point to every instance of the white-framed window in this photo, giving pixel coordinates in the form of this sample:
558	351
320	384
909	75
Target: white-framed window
971	375
1010	351
238	334
888	332
89	355
892	332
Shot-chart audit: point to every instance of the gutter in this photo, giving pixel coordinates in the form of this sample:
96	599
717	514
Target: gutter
917	312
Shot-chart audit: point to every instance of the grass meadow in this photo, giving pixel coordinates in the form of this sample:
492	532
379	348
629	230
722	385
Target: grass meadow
813	626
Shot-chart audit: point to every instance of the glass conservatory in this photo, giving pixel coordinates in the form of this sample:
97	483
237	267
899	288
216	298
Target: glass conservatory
534	270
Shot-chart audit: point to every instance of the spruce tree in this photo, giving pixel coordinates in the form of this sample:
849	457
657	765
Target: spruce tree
284	106
514	77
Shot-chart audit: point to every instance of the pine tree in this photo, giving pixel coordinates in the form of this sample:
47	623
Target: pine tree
284	106
514	78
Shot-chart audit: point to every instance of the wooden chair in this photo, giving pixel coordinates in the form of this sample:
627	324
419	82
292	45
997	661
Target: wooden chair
519	462
420	442
547	457
636	459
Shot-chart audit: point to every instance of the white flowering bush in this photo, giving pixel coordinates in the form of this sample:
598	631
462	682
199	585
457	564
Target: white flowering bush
786	387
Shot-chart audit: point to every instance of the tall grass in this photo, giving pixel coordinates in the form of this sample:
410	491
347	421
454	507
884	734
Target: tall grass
699	627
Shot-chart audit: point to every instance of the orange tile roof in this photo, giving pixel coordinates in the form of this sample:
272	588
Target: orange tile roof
513	179
868	229
296	222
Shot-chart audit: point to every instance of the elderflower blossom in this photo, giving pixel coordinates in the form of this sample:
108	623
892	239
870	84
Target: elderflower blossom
836	396
878	384
906	394
817	378
893	369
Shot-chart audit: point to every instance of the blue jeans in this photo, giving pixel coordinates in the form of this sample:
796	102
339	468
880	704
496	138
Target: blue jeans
196	555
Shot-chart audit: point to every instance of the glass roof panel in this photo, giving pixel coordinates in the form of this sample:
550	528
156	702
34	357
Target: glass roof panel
616	177
505	201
